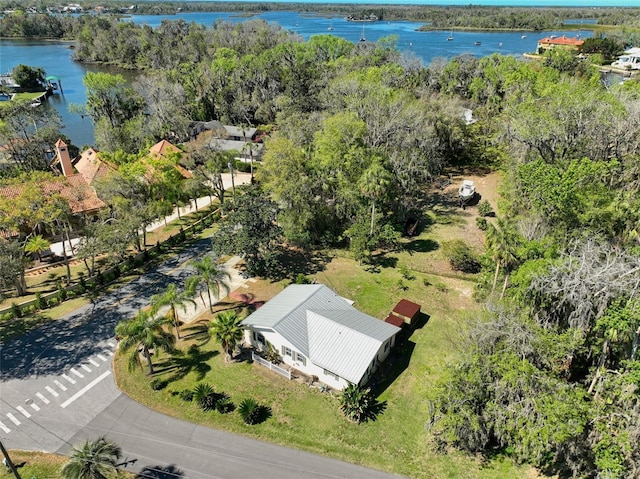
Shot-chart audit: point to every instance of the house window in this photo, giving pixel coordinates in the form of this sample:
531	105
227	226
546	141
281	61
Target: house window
258	337
329	373
286	351
300	358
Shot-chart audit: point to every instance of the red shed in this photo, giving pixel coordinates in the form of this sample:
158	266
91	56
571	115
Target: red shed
395	320
407	311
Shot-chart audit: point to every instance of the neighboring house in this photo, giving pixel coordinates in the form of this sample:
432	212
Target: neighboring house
563	42
630	60
163	149
405	312
91	167
321	334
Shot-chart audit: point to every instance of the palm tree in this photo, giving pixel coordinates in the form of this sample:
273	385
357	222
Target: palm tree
143	333
36	245
374	183
93	460
502	240
211	274
174	299
356	403
227	331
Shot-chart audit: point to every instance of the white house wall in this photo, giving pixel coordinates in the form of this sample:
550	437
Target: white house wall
310	369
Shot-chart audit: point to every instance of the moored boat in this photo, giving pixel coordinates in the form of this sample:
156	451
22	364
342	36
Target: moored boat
467	191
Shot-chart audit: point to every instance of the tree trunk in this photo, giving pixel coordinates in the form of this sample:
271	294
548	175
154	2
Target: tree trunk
504	285
21	284
209	295
634	346
603	357
66	238
175	321
373	216
147	354
495	277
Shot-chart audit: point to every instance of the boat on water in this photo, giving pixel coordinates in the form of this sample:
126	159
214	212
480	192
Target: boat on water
362	37
330	27
477	44
467	192
450	37
523	37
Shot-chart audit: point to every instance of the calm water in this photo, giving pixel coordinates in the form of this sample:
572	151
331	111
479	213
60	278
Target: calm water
55	57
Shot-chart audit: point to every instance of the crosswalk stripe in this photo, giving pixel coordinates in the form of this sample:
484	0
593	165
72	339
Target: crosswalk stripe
35	407
72	381
101	357
95	363
4	428
106	351
60	385
112	344
13	419
53	392
42	398
23	411
76	372
86	368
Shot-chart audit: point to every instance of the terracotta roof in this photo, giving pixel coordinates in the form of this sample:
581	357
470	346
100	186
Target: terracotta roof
395	320
91	167
406	309
563	40
79	195
60	142
163	148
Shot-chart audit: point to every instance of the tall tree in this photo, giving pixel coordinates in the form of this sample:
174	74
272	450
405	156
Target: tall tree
95	459
174	299
374	184
143	333
226	329
212	275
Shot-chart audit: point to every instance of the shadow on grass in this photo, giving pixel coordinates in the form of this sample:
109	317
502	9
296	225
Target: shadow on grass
421	246
295	261
395	365
160	472
181	364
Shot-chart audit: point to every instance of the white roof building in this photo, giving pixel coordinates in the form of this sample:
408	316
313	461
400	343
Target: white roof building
319	333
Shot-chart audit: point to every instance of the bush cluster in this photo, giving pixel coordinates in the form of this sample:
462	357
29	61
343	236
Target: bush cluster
461	257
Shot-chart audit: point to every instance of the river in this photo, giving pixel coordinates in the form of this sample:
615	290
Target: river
55	57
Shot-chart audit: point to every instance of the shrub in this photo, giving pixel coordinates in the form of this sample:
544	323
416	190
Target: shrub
61	294
71	294
273	355
51	302
302	279
249	410
16	312
186	395
39	303
27	310
83	285
460	256
224	404
204	395
482	224
158	384
406	272
485	209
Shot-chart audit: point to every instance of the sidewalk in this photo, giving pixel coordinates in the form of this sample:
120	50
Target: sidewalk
201	302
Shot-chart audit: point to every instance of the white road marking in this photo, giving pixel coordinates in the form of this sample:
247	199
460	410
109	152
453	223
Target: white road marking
106	351
13	419
77	373
23	411
53	392
35	407
112	344
101	357
60	385
4	428
95	363
86	368
72	381
85	389
42	398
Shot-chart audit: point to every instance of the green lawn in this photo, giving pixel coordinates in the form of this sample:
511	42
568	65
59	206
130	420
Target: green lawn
305	418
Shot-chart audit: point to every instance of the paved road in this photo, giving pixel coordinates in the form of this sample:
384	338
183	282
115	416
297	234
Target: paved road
57	389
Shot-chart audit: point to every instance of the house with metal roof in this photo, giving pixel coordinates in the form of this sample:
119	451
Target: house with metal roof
320	333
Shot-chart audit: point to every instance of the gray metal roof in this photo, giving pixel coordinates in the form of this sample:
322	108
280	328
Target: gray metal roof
324	327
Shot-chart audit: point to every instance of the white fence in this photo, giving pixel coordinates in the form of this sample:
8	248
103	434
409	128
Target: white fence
270	365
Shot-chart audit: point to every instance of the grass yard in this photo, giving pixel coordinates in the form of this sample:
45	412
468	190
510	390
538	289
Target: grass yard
305	418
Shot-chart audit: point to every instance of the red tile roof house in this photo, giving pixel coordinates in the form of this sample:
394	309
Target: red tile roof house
551	43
